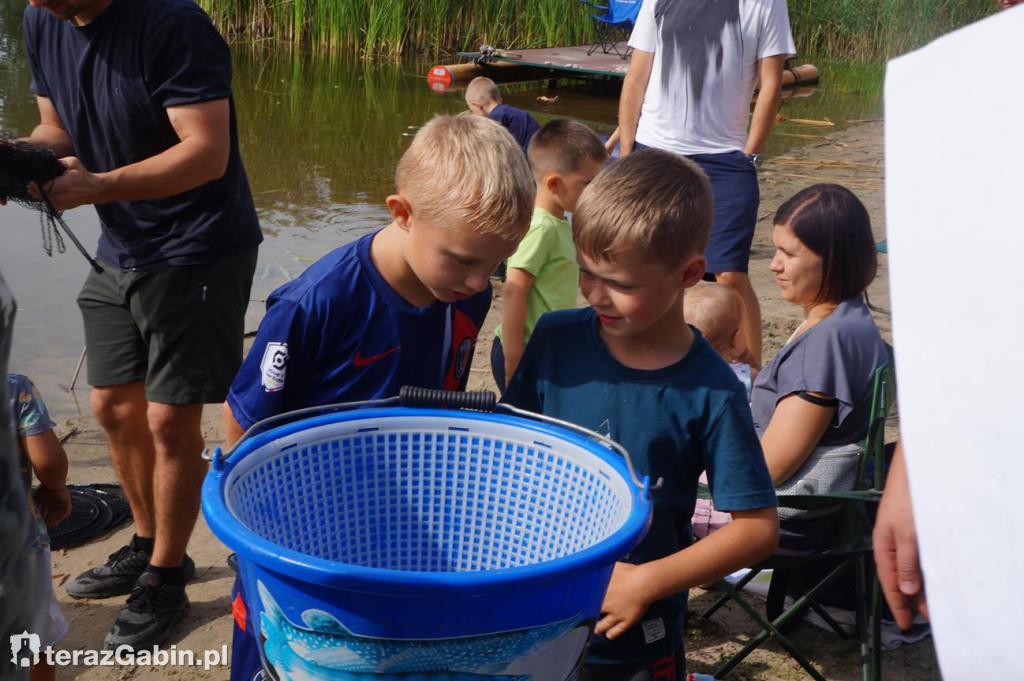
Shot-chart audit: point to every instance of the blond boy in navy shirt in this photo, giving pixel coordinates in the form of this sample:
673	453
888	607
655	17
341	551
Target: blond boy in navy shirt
401	306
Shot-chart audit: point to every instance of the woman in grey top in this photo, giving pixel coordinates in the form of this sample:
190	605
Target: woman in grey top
812	402
816	393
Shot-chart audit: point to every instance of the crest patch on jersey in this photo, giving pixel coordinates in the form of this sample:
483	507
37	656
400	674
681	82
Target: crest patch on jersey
272	368
463	356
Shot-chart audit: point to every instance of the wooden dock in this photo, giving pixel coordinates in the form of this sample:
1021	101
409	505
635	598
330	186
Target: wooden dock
574	59
561	62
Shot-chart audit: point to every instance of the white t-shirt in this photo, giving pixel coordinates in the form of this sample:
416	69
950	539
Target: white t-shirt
704	71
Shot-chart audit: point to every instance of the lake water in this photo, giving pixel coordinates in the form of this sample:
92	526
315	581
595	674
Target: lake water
320	138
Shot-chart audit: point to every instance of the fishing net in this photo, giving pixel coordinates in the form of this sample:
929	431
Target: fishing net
20	166
95	509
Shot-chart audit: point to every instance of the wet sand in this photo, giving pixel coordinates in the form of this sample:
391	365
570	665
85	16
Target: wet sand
852	157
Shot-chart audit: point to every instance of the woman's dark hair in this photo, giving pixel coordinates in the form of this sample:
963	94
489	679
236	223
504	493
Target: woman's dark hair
833	223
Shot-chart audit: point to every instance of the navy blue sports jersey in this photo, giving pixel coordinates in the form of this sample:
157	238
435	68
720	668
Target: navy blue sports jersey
340	333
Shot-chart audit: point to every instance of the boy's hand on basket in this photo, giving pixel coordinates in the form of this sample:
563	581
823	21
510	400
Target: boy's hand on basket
626	601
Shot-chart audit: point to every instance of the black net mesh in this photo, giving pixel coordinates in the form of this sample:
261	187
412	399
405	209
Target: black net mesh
20	166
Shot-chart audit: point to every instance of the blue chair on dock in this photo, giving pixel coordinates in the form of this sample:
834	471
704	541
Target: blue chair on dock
617	17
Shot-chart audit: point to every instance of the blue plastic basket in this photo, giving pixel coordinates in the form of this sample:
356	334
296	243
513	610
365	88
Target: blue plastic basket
398	540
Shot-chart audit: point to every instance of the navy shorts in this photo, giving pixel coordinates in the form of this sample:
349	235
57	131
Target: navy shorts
737	196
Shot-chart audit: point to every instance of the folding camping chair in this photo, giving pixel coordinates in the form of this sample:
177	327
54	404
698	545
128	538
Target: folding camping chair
850	546
618	17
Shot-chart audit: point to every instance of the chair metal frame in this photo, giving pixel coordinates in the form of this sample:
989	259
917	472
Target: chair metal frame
851	544
616	18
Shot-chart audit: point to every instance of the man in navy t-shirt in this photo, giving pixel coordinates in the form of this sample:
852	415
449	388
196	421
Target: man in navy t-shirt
484	99
135	95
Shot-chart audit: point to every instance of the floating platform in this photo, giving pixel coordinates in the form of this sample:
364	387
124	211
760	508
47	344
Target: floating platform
561	62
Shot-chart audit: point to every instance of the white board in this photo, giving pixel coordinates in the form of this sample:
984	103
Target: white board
954	145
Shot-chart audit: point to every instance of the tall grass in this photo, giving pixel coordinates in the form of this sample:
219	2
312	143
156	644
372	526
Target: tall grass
866	30
388	28
875	30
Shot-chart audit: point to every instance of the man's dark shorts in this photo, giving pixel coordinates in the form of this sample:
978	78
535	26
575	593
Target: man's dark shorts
734	185
179	328
737	196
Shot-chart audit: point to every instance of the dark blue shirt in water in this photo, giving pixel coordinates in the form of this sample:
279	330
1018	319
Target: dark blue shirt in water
518	122
674	422
111	82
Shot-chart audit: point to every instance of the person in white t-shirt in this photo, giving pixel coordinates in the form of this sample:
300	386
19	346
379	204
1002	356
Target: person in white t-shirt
693	72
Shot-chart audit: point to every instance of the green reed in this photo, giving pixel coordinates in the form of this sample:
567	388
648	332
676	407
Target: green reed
875	30
393	27
865	30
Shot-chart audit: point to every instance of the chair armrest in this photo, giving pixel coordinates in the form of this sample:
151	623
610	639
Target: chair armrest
808	502
811	502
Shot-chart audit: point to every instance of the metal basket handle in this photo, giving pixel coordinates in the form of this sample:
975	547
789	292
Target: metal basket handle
412	396
643	483
485	400
219	458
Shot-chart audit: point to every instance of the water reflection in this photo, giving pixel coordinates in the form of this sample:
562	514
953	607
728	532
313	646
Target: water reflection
318	134
320	139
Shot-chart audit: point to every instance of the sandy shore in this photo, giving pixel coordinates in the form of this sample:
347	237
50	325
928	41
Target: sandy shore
852	157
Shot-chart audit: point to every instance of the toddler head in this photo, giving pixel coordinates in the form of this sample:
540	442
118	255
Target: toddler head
716	310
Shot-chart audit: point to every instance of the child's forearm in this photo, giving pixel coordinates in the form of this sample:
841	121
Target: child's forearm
49	462
513	315
232	429
750	537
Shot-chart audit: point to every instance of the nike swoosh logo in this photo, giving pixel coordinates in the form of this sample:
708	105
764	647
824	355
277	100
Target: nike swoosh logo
361	361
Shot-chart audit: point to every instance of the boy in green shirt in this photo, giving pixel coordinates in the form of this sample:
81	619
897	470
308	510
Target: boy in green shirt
565	156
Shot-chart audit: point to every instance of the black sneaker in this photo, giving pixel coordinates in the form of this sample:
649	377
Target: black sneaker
147	618
118	575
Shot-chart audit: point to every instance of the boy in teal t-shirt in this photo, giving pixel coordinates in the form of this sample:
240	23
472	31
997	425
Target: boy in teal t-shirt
543	275
632	368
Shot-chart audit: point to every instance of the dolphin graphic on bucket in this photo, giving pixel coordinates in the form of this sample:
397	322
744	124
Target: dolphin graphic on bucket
325	648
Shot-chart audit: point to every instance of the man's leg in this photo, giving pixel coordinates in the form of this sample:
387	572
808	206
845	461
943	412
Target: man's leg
750	321
121	412
737	195
192	320
178	478
117	363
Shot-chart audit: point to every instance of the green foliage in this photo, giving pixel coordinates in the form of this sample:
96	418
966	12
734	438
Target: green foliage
388	28
876	30
864	30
